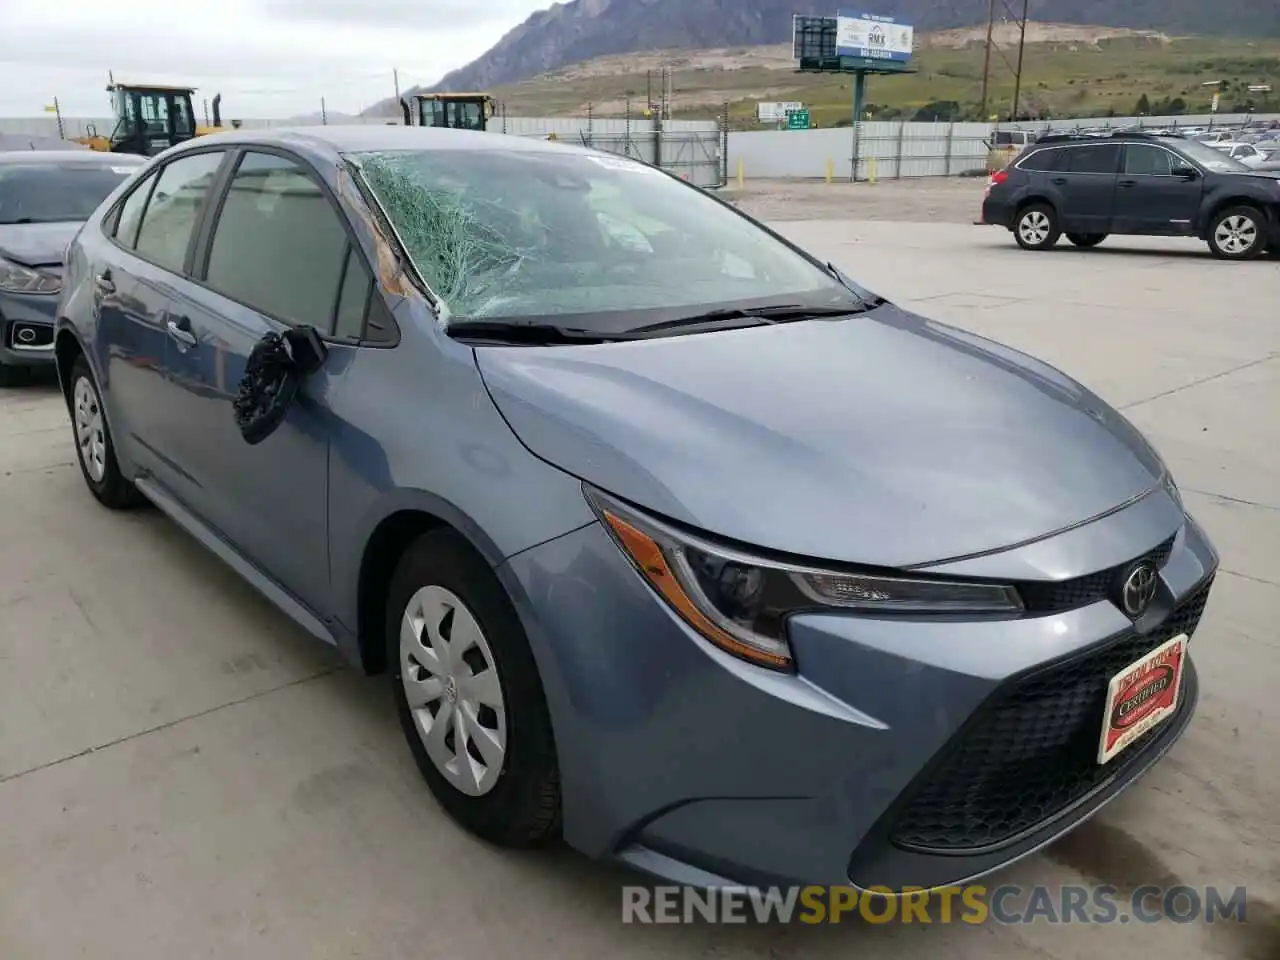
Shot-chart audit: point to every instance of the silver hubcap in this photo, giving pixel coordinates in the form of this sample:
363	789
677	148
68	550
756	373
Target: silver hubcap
90	433
1236	234
1034	227
451	684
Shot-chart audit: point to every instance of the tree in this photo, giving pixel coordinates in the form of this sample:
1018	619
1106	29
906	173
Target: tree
1143	106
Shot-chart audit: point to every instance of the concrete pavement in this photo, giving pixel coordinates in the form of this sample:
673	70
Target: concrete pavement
183	773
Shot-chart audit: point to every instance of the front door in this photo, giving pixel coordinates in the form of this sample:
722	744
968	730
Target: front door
1086	181
276	258
1149	198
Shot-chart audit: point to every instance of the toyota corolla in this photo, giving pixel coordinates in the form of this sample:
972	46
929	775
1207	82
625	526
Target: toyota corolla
673	539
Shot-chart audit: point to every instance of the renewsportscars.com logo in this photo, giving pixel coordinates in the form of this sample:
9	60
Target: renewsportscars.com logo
973	904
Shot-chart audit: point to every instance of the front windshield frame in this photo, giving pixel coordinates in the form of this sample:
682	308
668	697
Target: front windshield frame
1210	158
827	288
117	174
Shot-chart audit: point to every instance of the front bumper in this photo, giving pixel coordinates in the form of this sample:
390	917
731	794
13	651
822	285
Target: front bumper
26	329
901	754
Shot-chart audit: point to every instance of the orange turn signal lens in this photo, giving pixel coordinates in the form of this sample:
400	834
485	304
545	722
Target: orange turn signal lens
651	561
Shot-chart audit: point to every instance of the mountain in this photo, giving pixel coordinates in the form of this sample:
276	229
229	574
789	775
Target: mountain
572	32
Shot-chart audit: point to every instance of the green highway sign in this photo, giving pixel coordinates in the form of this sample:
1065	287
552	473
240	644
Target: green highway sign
798	120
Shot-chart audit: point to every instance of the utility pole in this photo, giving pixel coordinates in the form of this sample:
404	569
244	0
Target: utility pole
1022	41
324	113
206	111
395	76
986	60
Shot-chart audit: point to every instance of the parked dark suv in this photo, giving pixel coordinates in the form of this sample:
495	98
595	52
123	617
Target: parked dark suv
1089	187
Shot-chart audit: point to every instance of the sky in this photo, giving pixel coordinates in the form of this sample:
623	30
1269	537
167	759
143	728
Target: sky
268	58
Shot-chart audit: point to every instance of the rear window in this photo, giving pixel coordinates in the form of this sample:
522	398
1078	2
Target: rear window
54	192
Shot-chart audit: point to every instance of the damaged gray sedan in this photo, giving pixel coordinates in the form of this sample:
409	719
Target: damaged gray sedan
674	540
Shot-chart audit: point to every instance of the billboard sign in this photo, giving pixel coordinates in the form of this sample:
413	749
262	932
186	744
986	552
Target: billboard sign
776	112
871	37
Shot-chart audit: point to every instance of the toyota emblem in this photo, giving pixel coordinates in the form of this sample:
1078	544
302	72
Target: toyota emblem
1138	589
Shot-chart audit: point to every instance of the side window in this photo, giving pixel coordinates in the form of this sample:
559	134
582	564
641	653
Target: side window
1042	161
1102	158
175	207
182	125
126	231
279	245
353	297
1143	160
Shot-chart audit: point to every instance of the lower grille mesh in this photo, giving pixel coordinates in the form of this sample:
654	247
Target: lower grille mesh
1033	752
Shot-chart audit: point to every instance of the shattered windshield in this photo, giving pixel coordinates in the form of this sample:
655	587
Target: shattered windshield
544	234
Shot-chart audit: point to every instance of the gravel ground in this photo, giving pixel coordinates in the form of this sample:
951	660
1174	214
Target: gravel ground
923	200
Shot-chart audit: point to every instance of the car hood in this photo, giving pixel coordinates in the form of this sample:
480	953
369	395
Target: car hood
36	244
881	439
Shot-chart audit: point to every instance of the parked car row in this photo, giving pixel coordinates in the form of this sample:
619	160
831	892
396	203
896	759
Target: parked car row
1089	188
44	197
562	444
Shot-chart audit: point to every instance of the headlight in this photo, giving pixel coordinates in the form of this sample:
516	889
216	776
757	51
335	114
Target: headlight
15	278
741	603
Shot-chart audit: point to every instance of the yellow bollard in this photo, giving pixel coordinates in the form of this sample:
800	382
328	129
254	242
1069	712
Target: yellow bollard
742	175
831	169
871	169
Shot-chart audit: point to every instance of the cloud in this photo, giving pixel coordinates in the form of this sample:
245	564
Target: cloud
434	15
266	61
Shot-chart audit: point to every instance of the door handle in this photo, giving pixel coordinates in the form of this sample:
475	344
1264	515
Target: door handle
1128	183
103	283
180	330
1060	181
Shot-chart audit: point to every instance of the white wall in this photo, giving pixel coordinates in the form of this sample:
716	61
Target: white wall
898	149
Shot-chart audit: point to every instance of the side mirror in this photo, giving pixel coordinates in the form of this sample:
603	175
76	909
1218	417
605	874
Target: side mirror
272	375
1186	173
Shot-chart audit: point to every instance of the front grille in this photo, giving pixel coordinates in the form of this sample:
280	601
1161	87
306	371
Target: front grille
1031	753
1065	595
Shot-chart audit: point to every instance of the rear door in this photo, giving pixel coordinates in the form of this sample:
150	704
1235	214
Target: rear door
277	254
1149	198
1086	179
134	277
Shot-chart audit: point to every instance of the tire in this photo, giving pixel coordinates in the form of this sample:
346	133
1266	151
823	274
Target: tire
1086	240
514	800
1036	227
95	450
1237	233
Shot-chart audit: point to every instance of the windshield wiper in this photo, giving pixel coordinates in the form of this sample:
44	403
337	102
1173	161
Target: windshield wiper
734	316
527	332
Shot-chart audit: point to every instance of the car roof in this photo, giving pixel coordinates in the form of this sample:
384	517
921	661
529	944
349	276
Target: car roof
357	138
88	157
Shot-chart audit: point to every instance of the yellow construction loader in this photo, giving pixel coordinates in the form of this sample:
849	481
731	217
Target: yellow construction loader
459	111
151	118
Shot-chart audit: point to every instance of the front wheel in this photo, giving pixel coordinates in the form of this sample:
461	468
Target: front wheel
1037	227
1086	240
469	695
1237	234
